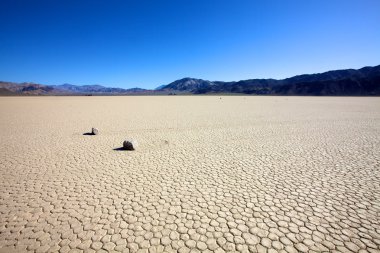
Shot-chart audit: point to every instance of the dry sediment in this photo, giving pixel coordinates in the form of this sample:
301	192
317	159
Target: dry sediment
246	174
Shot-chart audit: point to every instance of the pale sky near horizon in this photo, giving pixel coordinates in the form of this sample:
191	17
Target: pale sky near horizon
150	43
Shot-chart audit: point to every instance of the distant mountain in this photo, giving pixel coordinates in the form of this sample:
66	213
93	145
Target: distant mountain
160	87
188	84
89	89
365	81
348	82
9	88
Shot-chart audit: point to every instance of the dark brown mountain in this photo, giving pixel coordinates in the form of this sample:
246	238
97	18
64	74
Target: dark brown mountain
349	82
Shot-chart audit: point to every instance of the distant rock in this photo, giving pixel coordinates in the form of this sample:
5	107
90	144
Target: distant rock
94	131
130	144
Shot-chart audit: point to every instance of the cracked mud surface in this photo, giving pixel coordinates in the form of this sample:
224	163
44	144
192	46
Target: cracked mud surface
236	174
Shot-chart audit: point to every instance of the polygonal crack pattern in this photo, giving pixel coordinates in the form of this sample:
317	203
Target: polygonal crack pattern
238	174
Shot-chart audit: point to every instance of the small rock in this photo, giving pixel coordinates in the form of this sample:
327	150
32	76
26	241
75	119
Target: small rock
130	144
94	131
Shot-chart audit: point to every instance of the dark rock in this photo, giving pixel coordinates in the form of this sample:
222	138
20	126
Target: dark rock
94	131
130	144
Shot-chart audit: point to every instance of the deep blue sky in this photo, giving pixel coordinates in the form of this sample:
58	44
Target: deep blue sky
149	43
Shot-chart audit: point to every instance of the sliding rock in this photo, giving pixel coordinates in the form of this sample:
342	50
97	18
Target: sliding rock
130	144
94	131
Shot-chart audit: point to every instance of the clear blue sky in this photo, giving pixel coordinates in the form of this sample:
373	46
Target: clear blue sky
149	43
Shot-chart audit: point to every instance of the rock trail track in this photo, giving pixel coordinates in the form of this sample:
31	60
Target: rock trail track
237	174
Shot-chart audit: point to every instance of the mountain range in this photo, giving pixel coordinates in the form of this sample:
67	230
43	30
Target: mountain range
348	82
10	88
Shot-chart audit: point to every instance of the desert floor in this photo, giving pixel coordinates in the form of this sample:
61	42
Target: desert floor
223	174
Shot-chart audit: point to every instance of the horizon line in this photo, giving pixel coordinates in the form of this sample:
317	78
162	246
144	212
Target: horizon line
187	77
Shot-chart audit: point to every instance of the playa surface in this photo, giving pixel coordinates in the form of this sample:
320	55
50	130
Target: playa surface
212	174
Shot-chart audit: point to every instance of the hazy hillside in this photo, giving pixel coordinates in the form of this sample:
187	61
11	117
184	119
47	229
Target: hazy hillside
91	89
10	88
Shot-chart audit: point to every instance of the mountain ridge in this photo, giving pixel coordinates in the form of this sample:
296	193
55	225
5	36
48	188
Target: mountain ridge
346	82
363	81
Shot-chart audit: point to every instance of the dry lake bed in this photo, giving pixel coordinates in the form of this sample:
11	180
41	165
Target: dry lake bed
211	174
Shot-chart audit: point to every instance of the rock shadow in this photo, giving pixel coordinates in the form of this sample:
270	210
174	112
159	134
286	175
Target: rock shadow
120	149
